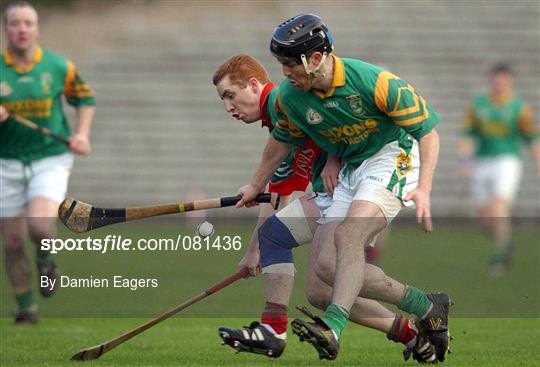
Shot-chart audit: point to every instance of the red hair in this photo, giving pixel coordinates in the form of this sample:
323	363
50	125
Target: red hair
240	68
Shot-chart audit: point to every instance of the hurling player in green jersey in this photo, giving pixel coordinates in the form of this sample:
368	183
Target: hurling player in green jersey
248	95
497	124
34	169
381	129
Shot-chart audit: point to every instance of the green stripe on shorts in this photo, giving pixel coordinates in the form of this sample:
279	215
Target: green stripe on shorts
393	181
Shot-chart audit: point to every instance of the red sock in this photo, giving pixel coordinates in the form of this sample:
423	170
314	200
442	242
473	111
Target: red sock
402	330
372	255
275	315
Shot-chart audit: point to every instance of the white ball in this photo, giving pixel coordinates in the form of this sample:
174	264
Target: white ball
205	229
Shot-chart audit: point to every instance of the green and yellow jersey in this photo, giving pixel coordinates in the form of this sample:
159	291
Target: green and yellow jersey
365	109
499	127
35	92
304	163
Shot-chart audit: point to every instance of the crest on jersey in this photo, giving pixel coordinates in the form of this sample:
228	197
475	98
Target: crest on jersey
356	105
403	164
5	89
46	82
313	117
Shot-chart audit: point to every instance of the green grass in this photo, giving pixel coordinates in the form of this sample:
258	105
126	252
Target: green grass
194	342
496	322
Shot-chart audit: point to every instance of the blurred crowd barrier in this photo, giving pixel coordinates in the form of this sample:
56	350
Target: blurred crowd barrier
161	133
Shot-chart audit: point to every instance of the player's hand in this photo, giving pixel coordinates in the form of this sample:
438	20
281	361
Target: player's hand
248	193
79	144
251	261
4	114
423	207
330	174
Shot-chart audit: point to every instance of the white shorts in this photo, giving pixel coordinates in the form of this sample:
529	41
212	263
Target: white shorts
495	177
323	202
20	183
383	180
294	217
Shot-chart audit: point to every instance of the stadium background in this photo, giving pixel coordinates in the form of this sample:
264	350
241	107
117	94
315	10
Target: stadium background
161	134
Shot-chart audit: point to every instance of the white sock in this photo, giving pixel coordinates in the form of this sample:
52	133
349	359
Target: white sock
282	336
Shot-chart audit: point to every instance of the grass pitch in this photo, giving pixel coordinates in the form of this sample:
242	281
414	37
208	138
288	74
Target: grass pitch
194	342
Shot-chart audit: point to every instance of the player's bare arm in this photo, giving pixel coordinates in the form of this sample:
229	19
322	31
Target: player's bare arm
429	153
79	143
274	153
330	173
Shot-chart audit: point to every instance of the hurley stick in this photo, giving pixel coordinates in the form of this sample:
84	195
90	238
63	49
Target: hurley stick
82	217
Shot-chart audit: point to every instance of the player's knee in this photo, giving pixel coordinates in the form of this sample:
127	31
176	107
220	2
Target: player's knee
13	241
317	296
13	250
40	233
39	230
325	270
275	242
500	208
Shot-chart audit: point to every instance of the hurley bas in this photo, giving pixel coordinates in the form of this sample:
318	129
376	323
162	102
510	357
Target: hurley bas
116	281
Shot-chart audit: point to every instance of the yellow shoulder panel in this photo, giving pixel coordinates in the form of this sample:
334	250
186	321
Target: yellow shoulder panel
70	76
381	89
526	125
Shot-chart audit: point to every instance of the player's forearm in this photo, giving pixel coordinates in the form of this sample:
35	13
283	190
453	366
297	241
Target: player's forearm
274	153
85	116
332	160
429	154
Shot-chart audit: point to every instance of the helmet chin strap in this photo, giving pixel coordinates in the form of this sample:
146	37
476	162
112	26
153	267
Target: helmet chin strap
315	72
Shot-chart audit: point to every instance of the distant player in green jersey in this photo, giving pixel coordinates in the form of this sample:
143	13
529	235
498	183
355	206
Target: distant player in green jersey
248	95
372	121
34	169
496	125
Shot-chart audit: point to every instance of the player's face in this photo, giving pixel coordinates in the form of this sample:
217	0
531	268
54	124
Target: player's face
296	75
501	83
22	28
241	103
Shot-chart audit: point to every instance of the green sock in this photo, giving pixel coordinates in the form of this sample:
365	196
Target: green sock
44	257
336	317
501	255
415	302
25	301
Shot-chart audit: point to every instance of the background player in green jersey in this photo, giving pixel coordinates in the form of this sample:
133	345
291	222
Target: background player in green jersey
365	116
34	169
248	95
490	153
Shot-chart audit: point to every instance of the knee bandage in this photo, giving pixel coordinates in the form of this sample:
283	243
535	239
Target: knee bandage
275	242
294	218
279	234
